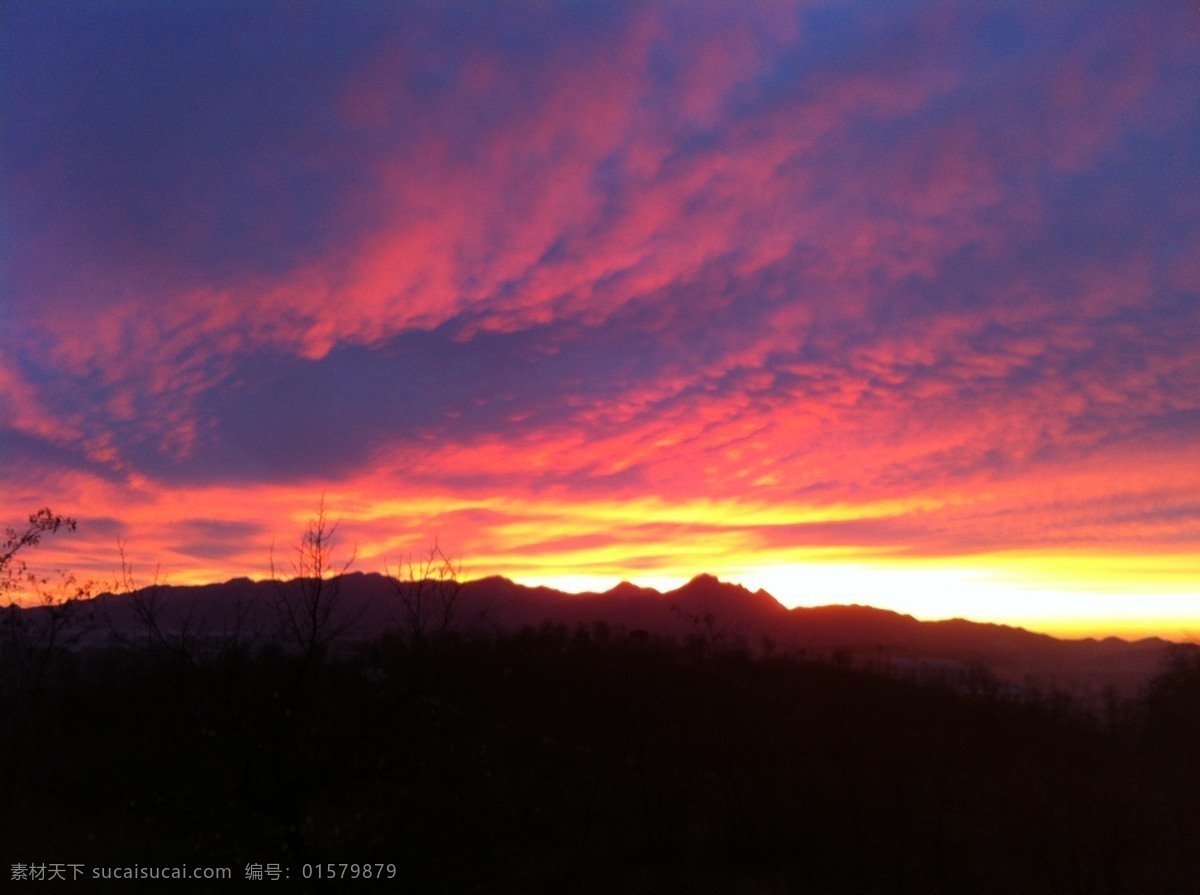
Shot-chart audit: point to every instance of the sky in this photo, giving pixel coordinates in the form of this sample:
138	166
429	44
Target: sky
887	303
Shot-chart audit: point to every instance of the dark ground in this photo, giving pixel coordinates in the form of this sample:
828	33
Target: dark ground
588	759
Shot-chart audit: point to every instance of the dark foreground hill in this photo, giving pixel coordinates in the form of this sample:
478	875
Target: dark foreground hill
495	738
705	609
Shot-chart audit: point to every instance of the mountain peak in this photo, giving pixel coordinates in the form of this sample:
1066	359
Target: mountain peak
705	583
625	590
712	593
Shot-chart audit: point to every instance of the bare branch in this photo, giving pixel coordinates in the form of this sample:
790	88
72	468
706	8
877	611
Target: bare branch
31	637
430	592
308	605
13	570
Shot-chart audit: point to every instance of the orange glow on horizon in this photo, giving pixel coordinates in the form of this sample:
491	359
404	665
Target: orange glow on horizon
590	546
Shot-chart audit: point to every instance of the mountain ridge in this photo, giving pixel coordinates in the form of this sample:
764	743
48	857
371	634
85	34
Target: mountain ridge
705	610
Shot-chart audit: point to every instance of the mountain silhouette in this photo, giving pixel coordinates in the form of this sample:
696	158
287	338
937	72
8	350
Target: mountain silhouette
706	609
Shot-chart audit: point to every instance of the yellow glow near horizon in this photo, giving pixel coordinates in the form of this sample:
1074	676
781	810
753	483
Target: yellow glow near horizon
653	542
578	584
978	595
983	593
1079	595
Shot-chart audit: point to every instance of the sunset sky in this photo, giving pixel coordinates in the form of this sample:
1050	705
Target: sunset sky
889	303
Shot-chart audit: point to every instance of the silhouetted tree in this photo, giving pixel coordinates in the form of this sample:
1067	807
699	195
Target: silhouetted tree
308	605
429	592
31	635
14	572
32	641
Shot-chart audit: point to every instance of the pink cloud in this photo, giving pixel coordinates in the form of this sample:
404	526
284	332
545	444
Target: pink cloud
725	254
